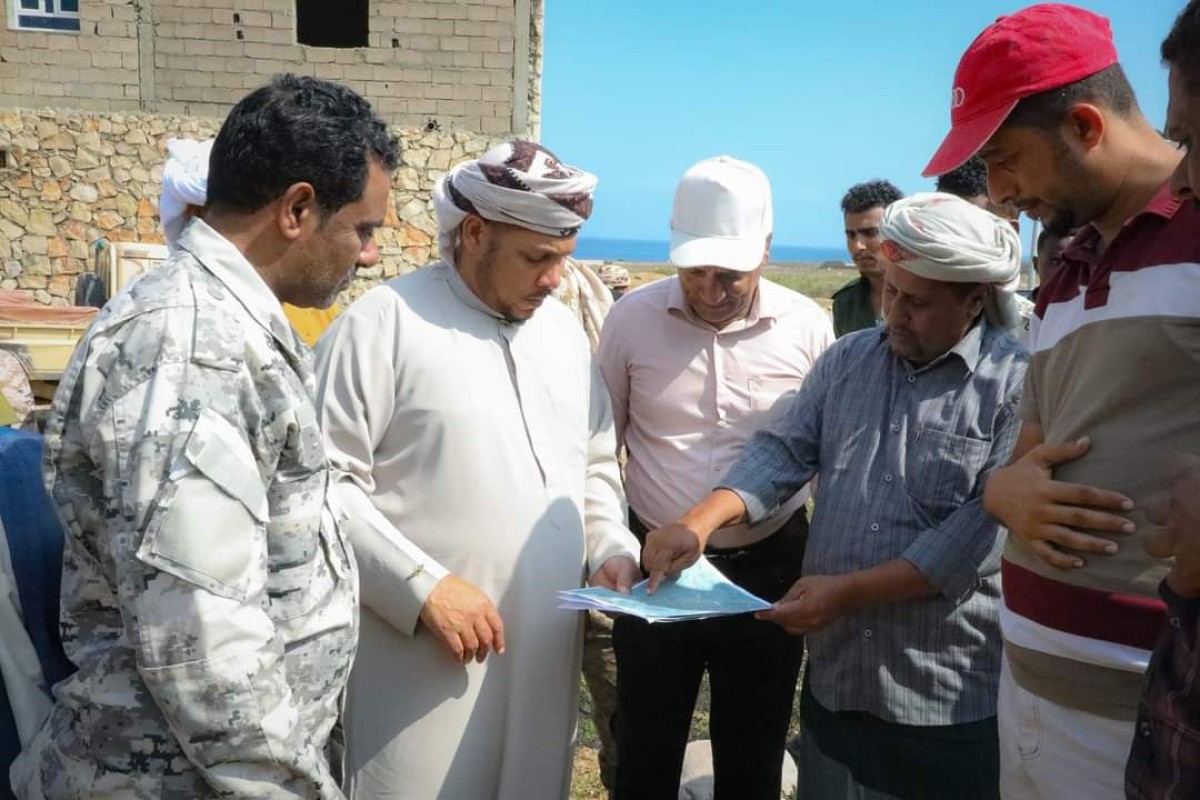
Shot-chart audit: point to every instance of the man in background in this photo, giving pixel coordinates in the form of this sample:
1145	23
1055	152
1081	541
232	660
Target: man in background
1165	759
969	181
589	297
1047	257
857	304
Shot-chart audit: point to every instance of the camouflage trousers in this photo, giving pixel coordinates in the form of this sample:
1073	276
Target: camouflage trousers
600	675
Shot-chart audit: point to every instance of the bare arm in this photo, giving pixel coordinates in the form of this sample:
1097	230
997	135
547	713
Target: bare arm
675	547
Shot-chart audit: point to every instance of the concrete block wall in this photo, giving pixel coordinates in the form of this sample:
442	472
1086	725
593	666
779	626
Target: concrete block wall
451	64
77	177
84	117
97	69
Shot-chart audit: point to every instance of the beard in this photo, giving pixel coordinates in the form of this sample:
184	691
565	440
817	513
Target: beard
485	277
322	292
488	285
1066	214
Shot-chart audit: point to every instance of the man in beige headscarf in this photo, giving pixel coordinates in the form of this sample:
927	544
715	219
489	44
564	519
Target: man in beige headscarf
900	590
477	458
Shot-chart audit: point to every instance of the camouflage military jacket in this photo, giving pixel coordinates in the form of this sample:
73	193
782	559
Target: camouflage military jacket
209	597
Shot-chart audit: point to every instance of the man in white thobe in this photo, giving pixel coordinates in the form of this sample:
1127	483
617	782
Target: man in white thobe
475	450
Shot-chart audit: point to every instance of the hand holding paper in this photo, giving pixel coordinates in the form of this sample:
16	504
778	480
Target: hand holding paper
699	592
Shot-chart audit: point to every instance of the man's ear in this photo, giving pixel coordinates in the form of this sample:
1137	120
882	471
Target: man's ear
1085	125
979	302
766	259
297	211
473	234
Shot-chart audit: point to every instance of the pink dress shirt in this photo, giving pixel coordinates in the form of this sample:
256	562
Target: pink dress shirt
686	397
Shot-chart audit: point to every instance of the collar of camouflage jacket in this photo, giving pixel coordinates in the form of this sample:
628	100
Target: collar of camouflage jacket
227	264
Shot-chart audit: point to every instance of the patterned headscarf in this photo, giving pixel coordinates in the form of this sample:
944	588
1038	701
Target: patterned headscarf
520	183
944	238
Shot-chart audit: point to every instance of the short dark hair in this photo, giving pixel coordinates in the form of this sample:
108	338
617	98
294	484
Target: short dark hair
1181	48
297	129
870	194
1108	88
966	181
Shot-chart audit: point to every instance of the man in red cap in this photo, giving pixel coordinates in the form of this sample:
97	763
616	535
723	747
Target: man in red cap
1109	396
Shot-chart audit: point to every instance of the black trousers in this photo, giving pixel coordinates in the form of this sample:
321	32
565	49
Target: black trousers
752	668
851	755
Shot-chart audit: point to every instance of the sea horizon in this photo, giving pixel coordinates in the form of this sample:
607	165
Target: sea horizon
600	248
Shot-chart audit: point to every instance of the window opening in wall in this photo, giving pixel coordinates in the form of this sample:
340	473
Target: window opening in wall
54	16
320	23
3	159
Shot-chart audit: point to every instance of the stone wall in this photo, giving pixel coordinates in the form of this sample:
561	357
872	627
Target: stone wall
72	177
462	64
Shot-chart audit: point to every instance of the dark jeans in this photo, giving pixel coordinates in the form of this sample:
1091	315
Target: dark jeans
852	755
752	667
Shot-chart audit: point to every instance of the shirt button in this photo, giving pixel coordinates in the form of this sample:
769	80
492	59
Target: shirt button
874	526
895	427
867	633
912	378
1144	728
721	423
887	478
1174	622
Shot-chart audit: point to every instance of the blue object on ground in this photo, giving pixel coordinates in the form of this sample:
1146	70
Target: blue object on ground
35	545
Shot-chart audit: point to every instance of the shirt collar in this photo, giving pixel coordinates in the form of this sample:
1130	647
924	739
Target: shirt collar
229	266
1163	205
968	350
766	305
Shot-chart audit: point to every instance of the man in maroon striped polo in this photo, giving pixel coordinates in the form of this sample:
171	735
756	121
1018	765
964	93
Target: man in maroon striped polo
1109	395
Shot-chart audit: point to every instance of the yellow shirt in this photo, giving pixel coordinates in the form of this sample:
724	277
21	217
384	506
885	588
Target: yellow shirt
7	415
310	323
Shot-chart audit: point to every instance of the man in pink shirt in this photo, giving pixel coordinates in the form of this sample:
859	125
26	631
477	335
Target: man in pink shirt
695	365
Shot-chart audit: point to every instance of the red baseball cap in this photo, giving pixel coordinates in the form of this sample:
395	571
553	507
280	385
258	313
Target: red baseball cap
1034	50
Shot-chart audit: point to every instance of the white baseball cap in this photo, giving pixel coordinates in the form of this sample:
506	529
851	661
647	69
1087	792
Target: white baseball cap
721	216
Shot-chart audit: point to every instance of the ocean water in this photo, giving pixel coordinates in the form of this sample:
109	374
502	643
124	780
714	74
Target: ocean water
647	250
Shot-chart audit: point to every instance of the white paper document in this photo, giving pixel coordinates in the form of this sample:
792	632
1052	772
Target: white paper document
699	592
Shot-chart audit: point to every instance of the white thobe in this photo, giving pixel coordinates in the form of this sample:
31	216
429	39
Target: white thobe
466	444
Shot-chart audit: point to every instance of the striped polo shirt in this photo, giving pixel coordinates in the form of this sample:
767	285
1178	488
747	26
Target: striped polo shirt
1115	346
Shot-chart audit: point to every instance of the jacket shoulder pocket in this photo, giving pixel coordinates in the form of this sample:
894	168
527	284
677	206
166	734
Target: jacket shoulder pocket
207	526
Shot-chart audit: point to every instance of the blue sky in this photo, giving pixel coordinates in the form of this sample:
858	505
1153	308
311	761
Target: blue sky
820	95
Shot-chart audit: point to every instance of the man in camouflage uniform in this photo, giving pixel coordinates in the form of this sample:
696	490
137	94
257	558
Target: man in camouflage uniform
209	596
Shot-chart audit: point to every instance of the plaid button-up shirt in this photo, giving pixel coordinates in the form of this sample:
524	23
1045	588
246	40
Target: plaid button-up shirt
902	453
1165	761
